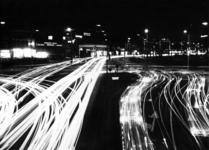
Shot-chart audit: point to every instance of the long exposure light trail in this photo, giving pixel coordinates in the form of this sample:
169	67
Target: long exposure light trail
48	117
168	96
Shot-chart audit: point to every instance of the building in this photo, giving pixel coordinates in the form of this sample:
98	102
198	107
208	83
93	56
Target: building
93	50
165	44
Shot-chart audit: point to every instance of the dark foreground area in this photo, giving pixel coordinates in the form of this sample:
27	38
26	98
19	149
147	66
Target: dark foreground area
192	60
101	127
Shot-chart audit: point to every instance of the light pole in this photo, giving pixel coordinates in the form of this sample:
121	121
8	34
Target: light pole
188	47
146	47
126	48
2	24
206	40
205	34
68	42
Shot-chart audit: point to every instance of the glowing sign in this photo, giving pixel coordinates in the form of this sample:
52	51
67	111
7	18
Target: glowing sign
41	55
86	34
50	43
79	36
92	46
115	78
5	54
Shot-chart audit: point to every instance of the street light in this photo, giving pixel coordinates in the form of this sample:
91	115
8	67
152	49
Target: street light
77	44
68	29
128	41
3	22
188	47
68	37
146	30
205	23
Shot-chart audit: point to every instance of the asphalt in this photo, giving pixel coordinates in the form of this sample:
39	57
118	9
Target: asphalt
101	127
182	137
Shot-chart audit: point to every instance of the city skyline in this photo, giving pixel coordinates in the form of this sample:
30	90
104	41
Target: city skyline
121	19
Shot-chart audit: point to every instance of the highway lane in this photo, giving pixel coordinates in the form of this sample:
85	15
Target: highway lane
43	110
38	100
170	108
101	126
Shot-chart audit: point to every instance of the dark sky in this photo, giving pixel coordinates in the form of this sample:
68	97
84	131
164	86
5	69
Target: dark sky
122	18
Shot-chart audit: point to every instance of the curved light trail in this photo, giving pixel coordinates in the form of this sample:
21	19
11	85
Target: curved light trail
41	116
170	97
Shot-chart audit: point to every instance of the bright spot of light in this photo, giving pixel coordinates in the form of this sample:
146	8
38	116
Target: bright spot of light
194	131
50	37
196	105
2	22
205	23
73	41
145	141
41	55
28	52
5	54
146	30
31	43
146	79
203	36
123	119
165	54
165	142
18	53
68	29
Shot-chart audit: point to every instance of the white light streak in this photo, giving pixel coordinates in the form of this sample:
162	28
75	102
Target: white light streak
52	113
191	96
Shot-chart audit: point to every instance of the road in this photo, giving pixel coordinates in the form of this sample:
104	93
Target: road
37	113
101	127
64	106
165	110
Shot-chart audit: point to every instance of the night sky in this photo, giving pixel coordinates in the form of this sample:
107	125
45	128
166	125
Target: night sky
121	18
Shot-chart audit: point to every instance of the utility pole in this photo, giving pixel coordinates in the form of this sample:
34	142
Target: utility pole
107	59
125	52
188	51
146	48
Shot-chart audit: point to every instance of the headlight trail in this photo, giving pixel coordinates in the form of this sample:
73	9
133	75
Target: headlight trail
172	95
52	115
